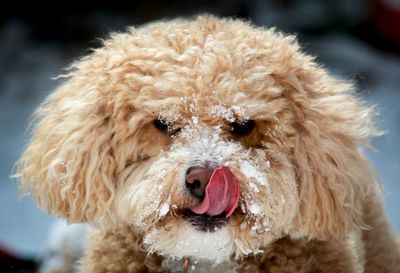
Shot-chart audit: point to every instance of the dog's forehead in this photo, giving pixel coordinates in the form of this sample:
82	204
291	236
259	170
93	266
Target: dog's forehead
237	105
207	107
228	104
208	92
218	74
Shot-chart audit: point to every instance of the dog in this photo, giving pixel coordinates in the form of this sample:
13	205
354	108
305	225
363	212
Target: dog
210	145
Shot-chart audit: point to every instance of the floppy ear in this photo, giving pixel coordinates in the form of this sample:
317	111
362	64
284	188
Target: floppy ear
333	176
69	165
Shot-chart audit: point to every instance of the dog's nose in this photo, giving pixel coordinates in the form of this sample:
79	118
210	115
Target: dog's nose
197	179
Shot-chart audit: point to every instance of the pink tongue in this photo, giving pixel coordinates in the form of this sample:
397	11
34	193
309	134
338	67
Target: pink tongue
221	194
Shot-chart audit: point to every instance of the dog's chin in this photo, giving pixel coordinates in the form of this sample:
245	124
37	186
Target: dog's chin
199	237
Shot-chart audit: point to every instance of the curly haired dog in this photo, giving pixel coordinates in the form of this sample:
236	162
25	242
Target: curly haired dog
210	146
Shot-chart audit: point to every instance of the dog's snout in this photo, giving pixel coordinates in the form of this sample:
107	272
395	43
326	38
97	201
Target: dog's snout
197	179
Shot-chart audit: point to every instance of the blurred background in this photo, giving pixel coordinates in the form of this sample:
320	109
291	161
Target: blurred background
355	39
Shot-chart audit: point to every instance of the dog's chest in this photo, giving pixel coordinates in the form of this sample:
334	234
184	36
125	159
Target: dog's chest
175	265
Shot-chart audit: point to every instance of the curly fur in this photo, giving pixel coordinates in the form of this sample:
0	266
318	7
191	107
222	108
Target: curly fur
309	199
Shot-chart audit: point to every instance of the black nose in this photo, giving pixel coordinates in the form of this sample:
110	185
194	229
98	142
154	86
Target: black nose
197	180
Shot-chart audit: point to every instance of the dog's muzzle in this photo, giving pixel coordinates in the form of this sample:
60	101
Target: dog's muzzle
219	192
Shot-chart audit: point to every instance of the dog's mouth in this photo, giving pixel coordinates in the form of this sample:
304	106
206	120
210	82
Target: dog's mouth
204	222
221	197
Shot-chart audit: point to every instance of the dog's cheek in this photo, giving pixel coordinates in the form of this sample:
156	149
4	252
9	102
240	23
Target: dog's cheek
135	198
148	191
269	206
334	179
135	148
281	201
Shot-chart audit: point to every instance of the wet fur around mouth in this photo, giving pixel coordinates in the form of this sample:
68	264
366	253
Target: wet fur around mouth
204	222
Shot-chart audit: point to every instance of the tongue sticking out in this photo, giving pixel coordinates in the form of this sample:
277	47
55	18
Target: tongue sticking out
221	194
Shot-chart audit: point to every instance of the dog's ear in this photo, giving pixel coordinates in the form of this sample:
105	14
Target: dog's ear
334	178
69	165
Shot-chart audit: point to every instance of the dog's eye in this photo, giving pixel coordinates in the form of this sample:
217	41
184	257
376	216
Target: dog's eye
162	125
242	128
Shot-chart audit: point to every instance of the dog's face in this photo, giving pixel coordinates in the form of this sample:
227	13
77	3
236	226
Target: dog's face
211	138
186	138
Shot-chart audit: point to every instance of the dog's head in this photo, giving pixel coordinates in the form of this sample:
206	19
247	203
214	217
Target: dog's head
209	137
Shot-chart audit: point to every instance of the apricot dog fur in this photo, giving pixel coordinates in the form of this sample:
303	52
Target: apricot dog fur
111	147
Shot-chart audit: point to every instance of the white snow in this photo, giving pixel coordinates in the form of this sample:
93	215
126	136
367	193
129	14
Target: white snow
223	112
231	113
205	145
255	209
164	209
251	172
253	187
195	120
148	239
